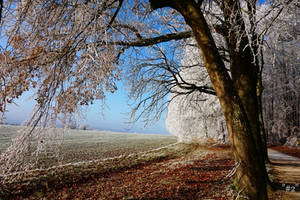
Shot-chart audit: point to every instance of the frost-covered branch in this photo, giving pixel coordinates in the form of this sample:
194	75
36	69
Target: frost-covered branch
144	42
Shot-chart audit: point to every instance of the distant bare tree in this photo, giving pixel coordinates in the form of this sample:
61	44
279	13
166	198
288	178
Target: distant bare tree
282	77
195	116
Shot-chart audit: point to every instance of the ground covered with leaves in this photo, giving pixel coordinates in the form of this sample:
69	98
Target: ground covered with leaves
177	172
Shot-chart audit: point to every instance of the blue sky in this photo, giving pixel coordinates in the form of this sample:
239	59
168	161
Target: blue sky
114	118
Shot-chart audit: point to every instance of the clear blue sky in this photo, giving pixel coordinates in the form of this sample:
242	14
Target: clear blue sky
115	116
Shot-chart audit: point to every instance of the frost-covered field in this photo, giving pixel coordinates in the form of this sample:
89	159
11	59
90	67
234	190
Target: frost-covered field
82	145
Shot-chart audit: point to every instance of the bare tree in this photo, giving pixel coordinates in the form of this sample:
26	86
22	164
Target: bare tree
237	93
196	116
238	23
281	83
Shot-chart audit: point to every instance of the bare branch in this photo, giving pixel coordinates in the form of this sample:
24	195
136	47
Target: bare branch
116	13
1	9
144	42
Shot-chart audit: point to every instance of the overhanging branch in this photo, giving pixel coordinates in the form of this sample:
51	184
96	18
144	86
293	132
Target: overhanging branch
143	42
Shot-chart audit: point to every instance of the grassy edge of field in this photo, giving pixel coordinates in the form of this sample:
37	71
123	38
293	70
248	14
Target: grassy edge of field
58	177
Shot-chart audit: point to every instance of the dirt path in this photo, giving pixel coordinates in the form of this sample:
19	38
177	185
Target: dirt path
285	171
278	156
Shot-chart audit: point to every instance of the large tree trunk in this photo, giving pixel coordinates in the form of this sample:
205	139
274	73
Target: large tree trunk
244	67
250	177
259	91
263	133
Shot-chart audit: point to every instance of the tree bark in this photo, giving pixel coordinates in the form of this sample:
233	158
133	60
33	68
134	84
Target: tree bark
244	67
263	133
233	95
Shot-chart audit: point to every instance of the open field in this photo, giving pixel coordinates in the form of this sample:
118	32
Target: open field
84	145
